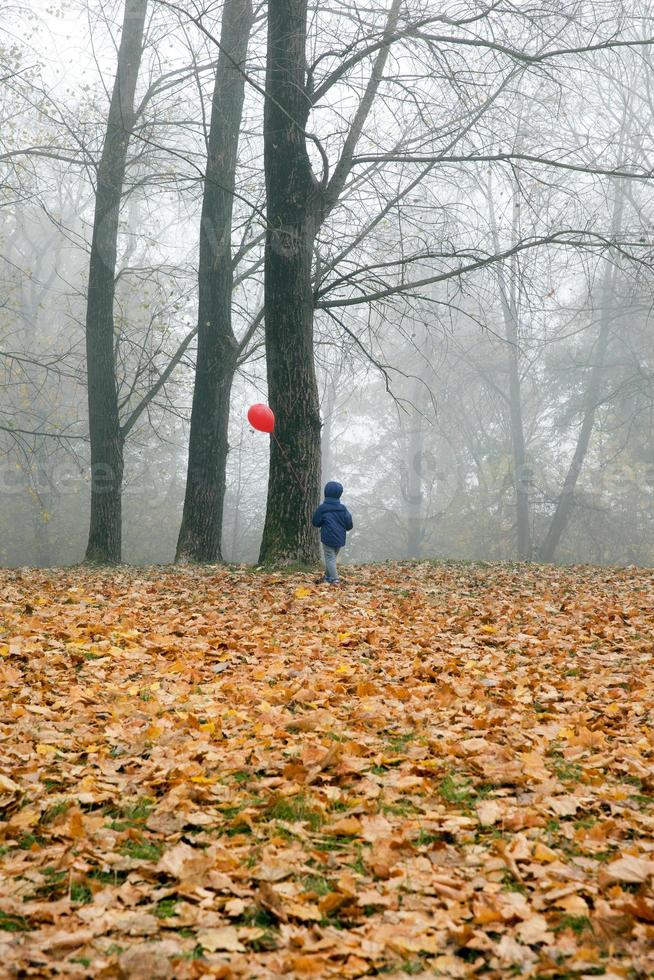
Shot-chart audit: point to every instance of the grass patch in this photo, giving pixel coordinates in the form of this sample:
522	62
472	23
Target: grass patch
358	863
425	838
54	884
460	790
131	814
295	809
332	844
166	908
13	923
142	850
318	884
585	823
266	942
108	877
196	953
577	923
511	884
28	841
81	894
114	950
399	743
54	811
401	808
255	915
564	770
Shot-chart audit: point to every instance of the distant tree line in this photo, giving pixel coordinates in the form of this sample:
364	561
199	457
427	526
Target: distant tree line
424	237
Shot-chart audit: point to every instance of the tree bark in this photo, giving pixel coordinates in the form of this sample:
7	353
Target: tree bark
293	204
104	541
201	528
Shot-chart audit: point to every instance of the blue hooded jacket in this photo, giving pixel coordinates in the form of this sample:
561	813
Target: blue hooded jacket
332	517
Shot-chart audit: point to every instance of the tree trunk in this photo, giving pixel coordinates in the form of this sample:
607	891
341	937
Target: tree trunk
293	206
201	528
104	542
565	502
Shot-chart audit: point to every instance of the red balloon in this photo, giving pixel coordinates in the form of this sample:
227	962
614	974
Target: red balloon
261	417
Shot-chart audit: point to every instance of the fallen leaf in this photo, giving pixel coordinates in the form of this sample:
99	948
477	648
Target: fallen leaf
223	938
629	868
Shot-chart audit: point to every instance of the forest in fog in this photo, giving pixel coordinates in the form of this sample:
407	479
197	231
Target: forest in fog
422	232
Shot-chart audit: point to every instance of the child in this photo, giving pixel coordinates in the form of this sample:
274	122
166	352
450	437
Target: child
334	520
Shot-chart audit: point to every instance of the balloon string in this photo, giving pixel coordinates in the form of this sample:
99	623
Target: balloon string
290	465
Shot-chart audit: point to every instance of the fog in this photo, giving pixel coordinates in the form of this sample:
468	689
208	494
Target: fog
481	286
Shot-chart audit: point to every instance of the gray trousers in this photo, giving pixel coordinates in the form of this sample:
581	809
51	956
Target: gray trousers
331	572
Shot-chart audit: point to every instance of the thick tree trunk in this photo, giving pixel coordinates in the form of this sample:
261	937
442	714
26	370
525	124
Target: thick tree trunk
566	500
200	533
201	528
104	542
293	209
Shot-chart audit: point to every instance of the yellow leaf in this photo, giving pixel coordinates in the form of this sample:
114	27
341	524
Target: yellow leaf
75	824
544	853
23	819
224	938
347	827
306	913
44	748
302	592
573	905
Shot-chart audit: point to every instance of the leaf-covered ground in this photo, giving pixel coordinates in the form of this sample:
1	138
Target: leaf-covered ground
436	771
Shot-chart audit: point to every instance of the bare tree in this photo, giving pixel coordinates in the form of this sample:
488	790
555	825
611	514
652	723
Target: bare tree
104	542
297	203
218	348
592	392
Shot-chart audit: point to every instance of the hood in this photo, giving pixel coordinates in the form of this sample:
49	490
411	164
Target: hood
333	489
